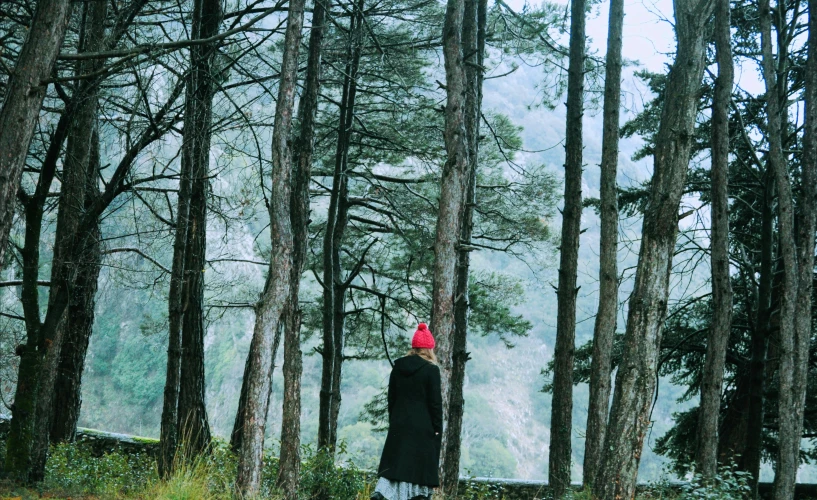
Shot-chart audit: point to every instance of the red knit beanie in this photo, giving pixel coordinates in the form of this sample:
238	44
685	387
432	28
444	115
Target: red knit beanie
422	338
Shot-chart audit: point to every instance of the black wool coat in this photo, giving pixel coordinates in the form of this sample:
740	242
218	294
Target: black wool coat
412	449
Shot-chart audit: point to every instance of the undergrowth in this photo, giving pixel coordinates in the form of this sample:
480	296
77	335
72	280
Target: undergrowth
73	472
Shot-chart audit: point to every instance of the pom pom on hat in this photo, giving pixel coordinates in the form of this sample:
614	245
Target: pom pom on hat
422	338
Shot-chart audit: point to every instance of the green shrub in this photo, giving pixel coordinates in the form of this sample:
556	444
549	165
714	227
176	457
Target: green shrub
479	490
320	473
729	484
72	469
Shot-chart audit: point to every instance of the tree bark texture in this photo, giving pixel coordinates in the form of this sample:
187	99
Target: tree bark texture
789	429
24	97
806	226
706	455
302	154
79	320
604	329
269	312
169	433
751	456
193	427
334	291
235	435
473	39
83	148
561	415
635	378
18	441
70	246
453	188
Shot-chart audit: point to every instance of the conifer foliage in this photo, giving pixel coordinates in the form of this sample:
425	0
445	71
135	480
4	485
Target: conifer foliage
218	211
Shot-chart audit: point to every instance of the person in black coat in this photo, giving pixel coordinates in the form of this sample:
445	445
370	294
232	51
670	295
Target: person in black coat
409	466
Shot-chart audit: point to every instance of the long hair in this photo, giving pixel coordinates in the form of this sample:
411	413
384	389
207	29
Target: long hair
426	354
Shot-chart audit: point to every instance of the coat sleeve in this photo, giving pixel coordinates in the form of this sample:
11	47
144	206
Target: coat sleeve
390	394
435	401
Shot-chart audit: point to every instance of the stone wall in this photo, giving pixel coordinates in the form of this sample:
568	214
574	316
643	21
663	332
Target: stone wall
101	442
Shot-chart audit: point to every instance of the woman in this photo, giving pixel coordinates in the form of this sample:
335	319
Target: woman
411	456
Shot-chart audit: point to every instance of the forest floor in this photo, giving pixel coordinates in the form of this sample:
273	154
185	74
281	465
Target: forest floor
75	472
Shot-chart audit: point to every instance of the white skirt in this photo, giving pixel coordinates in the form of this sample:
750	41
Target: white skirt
399	490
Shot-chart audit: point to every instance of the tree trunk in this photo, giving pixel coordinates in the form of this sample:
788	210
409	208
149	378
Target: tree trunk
235	435
334	292
23	99
169	433
473	34
300	211
192	426
561	415
290	456
69	245
273	304
40	355
339	305
635	378
240	416
80	317
83	148
453	188
23	411
604	329
752	454
184	416
302	154
789	430
706	455
807	224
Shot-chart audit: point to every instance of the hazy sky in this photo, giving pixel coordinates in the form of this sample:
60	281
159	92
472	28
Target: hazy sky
648	35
